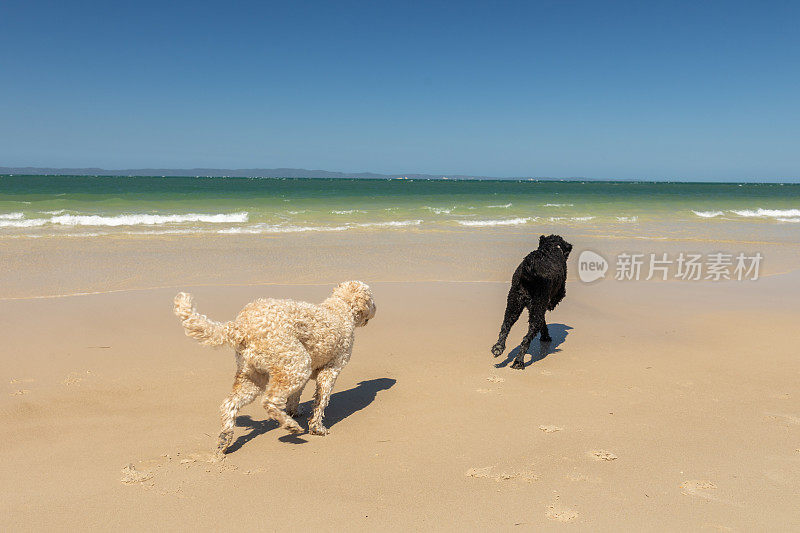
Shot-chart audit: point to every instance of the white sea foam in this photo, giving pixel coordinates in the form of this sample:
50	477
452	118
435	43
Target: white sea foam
627	219
11	216
708	214
27	223
162	232
271	228
794	220
774	213
348	212
502	222
504	206
559	205
146	219
439	210
570	219
391	224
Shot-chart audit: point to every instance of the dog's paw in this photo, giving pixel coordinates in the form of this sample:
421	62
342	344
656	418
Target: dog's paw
293	427
225	440
497	350
546	338
318	430
518	365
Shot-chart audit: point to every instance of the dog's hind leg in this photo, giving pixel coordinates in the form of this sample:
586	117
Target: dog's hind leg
514	306
246	387
544	332
282	385
325	381
536	323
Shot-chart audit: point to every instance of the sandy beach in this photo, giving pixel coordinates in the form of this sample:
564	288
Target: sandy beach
433	151
658	406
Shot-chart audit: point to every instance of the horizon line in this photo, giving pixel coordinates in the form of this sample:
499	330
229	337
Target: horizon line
302	173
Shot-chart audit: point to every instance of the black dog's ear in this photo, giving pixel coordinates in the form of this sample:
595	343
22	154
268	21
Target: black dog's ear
541	240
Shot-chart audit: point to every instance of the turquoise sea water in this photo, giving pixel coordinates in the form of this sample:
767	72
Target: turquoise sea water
35	206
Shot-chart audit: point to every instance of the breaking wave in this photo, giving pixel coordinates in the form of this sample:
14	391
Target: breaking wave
773	213
439	210
29	223
781	215
146	219
503	222
708	214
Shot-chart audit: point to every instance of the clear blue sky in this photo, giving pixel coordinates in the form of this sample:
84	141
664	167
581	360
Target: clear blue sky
686	90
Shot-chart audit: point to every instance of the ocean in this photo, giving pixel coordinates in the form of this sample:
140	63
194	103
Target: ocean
90	206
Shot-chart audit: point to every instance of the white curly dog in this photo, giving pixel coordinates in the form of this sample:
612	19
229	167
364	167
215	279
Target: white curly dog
280	345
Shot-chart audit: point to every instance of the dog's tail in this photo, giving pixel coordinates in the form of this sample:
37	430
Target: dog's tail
202	328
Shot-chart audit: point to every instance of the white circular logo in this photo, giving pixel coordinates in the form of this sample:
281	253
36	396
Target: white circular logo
591	266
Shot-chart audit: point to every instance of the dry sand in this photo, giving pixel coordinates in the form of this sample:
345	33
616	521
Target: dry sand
659	406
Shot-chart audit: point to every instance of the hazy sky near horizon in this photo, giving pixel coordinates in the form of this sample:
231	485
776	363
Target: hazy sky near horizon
676	90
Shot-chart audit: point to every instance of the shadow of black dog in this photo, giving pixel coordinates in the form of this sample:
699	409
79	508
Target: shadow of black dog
342	405
558	332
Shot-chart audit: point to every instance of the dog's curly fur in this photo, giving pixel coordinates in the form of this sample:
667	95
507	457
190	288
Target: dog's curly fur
280	345
539	283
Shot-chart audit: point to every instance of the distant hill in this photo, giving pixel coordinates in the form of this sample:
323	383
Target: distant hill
237	172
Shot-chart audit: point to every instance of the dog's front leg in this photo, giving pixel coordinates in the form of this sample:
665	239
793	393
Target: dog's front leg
325	380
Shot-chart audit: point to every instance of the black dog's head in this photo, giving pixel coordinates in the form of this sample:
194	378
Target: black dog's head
555	240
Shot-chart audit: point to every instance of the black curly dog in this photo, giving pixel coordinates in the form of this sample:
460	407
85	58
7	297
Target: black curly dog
539	283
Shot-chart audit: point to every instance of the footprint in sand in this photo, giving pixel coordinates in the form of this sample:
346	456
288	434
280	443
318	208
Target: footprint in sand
528	476
483	391
576	476
602	455
495	379
486	473
132	476
560	514
699	488
20	380
551	429
199	457
75	377
479	472
20	392
147	469
790	419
